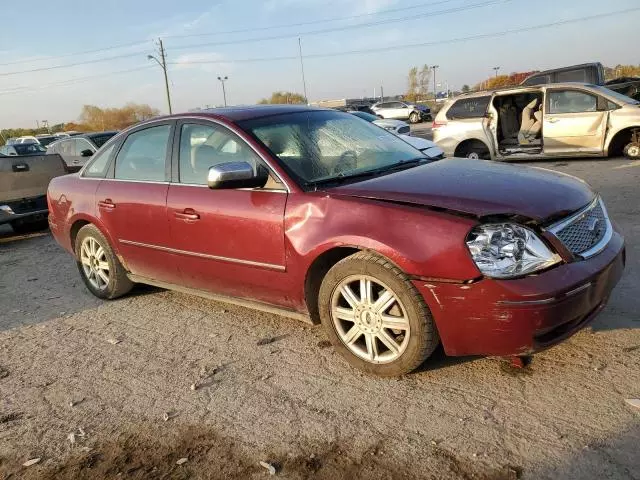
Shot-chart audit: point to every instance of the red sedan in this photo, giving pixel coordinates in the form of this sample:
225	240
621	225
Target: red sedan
319	215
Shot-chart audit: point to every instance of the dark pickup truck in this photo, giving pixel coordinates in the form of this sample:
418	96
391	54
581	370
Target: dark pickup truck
592	73
23	189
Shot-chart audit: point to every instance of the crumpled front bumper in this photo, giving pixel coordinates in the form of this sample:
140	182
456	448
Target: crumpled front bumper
522	316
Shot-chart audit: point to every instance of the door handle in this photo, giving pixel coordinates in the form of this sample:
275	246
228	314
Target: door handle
187	214
553	120
107	204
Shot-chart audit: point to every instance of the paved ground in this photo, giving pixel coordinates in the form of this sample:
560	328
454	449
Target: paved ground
104	390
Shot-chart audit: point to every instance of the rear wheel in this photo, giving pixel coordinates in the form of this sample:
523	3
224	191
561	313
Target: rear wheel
475	150
100	269
414	117
375	317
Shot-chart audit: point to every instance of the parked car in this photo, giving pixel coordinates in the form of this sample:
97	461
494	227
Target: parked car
556	120
403	111
403	130
45	140
25	139
77	149
23	187
21	149
320	216
591	73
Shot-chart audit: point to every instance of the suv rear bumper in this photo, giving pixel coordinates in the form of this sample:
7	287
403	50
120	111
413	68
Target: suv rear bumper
522	316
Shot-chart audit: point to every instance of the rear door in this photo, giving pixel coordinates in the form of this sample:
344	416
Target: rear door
573	122
132	201
230	241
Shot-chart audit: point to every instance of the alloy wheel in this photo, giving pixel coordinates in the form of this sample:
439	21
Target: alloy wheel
370	319
94	263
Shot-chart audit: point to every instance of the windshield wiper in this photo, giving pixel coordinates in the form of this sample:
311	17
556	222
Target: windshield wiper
395	167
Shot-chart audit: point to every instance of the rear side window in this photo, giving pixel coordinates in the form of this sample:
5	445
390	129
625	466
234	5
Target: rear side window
468	108
99	164
143	155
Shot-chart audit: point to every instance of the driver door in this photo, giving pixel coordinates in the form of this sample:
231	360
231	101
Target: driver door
230	241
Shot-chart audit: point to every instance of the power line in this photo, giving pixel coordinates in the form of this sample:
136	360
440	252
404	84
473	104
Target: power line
343	28
314	22
69	65
71	81
415	45
75	54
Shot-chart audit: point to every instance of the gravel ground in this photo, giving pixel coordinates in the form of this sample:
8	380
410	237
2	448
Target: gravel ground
125	389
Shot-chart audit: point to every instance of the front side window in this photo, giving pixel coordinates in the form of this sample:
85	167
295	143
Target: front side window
143	155
82	145
205	146
468	108
324	145
99	163
571	101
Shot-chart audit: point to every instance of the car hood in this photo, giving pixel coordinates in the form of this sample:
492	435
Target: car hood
480	188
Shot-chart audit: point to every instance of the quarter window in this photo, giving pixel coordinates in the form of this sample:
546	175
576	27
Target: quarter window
571	101
204	146
99	164
143	155
468	108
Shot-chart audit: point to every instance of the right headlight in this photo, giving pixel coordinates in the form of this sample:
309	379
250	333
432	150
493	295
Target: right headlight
507	250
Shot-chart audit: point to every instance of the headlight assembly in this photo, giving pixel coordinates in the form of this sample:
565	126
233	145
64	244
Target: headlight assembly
506	250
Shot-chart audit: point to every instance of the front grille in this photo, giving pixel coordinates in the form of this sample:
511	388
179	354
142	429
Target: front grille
404	130
585	230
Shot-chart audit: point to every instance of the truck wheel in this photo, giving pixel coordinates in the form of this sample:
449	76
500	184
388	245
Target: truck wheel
414	117
374	316
632	151
100	269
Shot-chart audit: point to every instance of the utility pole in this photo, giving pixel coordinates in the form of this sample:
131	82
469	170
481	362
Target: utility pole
304	82
381	94
434	68
496	70
163	64
224	92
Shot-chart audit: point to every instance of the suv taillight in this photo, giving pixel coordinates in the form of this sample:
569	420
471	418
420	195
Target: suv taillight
437	124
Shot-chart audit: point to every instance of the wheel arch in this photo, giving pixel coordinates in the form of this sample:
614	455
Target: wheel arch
619	140
80	221
468	143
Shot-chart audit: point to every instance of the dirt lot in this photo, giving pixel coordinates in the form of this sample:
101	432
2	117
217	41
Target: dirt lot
160	376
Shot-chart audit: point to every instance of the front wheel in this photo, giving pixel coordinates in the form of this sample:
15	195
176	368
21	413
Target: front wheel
414	117
632	151
100	269
375	317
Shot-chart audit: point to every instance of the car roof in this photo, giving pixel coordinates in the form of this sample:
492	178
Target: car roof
249	112
516	88
98	134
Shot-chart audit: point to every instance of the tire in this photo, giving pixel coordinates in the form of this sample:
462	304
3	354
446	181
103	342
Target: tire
414	117
416	336
117	283
29	227
632	151
475	151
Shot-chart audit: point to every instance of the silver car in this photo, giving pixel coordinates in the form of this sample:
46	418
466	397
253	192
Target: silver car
412	112
555	120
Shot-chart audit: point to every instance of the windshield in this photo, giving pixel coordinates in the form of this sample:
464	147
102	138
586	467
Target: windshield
617	96
322	145
28	148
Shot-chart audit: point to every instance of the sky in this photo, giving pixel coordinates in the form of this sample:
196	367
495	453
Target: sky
62	55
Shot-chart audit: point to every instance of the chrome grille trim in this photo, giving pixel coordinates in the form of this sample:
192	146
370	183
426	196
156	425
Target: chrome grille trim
591	250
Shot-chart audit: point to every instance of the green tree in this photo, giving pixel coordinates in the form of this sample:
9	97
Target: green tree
466	88
280	98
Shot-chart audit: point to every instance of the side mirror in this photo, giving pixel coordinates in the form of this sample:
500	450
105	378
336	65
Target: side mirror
86	153
236	175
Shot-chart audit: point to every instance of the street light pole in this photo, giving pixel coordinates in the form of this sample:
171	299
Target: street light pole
224	92
434	68
163	65
496	70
